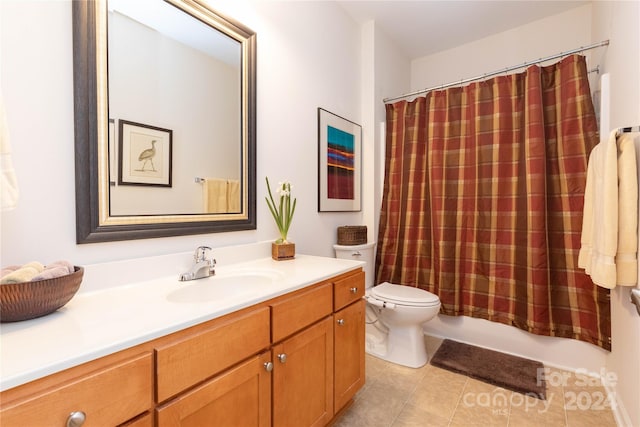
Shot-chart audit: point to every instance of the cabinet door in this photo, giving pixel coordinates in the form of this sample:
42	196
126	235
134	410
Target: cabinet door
303	377
349	370
239	397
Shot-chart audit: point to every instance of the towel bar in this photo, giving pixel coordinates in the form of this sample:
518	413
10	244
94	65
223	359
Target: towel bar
628	129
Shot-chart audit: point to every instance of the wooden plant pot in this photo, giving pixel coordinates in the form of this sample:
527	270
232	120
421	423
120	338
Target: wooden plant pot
283	251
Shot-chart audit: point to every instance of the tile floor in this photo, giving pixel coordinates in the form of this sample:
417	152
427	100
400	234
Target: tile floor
396	396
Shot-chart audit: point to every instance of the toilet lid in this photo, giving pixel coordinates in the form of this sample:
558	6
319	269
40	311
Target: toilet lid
406	295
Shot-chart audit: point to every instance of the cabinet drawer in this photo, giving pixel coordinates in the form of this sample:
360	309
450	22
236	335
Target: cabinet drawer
300	311
108	396
348	290
200	356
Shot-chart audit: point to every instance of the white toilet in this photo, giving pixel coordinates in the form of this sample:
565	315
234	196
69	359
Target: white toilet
395	313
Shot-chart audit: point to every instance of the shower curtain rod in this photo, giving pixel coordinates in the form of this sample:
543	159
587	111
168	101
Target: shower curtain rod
493	73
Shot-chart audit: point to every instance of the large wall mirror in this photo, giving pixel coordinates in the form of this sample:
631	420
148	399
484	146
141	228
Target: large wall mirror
164	120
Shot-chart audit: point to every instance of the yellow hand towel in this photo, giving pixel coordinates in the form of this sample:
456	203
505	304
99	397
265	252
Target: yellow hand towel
233	196
23	274
8	269
35	264
215	195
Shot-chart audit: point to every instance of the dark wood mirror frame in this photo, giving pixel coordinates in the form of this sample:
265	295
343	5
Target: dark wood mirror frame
87	81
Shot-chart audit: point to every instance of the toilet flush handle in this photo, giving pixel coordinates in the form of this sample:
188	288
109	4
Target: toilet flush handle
356	254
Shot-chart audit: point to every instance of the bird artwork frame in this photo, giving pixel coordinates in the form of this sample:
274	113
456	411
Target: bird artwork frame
144	155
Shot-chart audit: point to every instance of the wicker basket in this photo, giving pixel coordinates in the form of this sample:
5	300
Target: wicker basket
28	300
352	235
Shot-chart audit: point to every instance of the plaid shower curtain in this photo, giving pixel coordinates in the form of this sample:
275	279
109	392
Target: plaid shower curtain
483	198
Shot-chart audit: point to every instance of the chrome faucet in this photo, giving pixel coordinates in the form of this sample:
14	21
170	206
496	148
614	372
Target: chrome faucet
202	268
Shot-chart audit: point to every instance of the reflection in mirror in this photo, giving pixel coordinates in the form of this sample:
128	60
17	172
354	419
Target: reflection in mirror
165	133
170	71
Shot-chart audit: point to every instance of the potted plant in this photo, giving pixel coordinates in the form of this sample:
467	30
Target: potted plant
283	214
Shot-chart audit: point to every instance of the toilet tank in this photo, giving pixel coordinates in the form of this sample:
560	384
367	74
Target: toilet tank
364	253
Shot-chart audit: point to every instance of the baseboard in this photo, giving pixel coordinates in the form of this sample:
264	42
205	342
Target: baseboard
617	407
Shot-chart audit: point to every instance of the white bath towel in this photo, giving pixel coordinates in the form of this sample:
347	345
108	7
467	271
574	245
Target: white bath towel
609	228
8	182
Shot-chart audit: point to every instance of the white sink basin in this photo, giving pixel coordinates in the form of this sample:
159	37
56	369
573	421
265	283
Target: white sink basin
227	284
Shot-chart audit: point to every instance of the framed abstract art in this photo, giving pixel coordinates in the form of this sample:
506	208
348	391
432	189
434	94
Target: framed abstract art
339	163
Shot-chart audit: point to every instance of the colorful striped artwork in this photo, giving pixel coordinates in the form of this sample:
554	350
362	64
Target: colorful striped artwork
340	164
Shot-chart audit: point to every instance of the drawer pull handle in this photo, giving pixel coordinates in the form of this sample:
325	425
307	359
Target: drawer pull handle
76	419
340	322
282	358
354	290
268	366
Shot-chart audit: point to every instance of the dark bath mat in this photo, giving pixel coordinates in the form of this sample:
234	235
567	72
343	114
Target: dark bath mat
500	369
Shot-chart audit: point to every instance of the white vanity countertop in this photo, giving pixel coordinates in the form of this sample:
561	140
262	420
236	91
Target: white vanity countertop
98	323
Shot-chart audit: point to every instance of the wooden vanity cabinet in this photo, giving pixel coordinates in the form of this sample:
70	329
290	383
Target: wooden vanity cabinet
319	368
108	392
295	360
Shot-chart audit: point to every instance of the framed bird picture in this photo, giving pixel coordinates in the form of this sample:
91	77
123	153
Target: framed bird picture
144	154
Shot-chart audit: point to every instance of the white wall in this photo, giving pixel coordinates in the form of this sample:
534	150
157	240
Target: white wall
386	71
298	71
618	22
393	76
555	34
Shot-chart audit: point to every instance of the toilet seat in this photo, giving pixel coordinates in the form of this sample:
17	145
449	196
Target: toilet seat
404	295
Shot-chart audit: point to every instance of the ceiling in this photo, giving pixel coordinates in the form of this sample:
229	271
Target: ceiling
424	27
